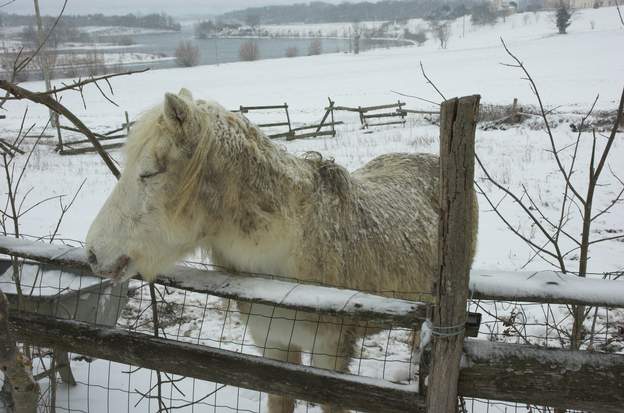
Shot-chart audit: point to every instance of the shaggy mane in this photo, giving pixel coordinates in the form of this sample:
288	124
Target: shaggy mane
333	177
143	137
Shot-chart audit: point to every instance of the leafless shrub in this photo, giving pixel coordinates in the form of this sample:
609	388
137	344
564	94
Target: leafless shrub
292	51
187	54
315	48
551	238
441	31
248	51
526	18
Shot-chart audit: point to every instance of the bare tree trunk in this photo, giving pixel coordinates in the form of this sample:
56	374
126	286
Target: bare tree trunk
43	58
16	366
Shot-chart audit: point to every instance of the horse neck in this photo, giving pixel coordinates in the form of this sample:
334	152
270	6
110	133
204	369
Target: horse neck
252	172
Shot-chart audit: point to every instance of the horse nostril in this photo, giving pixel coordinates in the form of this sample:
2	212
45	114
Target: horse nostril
91	258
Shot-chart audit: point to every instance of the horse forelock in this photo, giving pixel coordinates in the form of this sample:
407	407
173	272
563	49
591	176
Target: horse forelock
147	135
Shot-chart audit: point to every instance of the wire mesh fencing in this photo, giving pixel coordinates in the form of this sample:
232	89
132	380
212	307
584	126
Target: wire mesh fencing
381	350
543	325
76	383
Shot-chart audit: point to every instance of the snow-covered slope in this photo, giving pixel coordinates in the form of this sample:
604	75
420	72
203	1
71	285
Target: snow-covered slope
570	71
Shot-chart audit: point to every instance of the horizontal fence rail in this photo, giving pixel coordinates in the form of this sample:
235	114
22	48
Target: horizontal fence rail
561	378
216	365
547	287
566	379
304	297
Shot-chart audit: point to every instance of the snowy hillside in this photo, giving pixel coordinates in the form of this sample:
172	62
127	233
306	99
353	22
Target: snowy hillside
527	25
570	71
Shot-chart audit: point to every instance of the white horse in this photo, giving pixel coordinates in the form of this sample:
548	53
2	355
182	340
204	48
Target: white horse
198	176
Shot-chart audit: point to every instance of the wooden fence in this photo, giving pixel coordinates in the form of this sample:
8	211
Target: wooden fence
115	138
559	378
573	379
378	114
111	139
299	132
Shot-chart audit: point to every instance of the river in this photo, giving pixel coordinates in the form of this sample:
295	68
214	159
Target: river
226	50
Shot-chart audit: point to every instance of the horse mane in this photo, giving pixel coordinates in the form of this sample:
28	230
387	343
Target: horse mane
188	193
329	176
332	177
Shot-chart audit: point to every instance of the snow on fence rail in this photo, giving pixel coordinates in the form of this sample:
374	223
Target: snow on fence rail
549	287
250	287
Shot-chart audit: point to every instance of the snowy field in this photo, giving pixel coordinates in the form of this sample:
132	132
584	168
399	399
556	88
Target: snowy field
570	71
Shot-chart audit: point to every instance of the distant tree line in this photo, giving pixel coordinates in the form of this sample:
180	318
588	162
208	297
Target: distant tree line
320	12
148	21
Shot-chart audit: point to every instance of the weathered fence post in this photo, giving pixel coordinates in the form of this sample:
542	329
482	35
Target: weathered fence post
333	121
514	111
59	135
288	118
127	123
16	367
455	247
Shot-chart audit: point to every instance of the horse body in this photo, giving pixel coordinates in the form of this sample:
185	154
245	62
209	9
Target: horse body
200	177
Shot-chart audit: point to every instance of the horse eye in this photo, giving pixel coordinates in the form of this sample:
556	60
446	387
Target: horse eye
147	175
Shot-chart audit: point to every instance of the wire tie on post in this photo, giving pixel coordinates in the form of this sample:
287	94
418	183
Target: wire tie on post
448	331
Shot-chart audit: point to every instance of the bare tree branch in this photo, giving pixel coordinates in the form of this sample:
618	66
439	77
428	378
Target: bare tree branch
58	108
555	151
430	82
21	65
511	228
415	97
614	201
7	3
528	212
64	209
77	85
617	5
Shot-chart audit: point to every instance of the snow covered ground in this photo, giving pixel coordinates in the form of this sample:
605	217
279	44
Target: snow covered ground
570	71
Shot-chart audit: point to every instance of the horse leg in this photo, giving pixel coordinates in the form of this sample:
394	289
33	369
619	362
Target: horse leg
334	350
278	403
271	330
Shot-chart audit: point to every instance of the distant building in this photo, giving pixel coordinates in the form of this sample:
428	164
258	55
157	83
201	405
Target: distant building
578	4
508	7
504	5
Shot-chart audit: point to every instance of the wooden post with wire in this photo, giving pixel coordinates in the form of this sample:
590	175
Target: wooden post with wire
514	111
455	228
127	125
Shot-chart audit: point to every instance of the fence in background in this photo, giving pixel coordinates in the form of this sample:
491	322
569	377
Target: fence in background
111	139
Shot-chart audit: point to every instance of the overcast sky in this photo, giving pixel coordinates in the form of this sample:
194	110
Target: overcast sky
174	7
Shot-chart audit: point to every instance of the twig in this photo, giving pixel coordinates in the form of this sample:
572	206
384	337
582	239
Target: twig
527	211
415	97
514	230
430	82
21	65
64	209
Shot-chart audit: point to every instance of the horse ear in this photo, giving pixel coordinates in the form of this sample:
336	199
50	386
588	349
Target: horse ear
185	93
177	110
